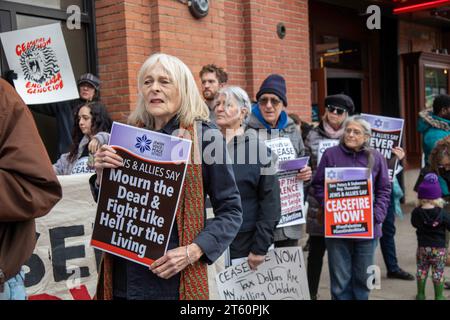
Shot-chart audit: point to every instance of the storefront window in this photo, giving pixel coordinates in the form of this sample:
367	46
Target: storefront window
75	40
336	52
52	4
436	82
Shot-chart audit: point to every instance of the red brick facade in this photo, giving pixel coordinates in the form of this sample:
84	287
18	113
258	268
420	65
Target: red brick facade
239	35
415	37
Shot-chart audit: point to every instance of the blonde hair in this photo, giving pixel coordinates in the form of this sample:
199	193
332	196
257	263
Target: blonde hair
325	117
440	151
192	106
439	202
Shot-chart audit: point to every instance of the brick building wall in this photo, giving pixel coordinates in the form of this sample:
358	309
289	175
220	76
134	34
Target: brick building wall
254	49
124	40
239	35
415	37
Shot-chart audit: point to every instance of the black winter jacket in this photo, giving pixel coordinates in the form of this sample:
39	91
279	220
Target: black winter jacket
430	225
260	194
134	281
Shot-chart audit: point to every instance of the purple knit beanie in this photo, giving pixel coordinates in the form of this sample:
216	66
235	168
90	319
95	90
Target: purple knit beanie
429	188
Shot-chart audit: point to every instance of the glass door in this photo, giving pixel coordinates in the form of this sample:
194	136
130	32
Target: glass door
5	25
436	83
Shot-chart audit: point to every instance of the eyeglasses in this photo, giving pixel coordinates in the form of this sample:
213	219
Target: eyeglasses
355	132
273	101
338	110
226	106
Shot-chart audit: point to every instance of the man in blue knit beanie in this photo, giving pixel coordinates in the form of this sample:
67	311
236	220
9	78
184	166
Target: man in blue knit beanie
269	117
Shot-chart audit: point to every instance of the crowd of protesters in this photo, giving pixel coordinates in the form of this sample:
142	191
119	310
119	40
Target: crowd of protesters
244	193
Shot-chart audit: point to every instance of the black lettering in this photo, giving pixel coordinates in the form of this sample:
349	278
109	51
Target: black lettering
61	254
37	269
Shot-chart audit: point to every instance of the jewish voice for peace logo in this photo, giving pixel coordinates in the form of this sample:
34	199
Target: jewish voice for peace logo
143	143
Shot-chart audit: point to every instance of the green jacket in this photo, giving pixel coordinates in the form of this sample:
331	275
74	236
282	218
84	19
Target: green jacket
433	129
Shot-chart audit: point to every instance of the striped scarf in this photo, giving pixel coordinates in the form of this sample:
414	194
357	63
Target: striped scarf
190	221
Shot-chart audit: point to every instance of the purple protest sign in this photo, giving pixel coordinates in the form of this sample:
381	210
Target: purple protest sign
386	135
292	195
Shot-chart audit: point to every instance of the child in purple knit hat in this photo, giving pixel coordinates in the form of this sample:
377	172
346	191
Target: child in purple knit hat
431	221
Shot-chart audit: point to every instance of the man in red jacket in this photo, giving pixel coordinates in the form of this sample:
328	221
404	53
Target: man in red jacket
29	189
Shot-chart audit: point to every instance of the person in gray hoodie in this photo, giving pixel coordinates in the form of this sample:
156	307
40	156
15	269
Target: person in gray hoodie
271	120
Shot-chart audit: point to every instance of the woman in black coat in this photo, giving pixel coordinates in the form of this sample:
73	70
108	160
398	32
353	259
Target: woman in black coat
254	168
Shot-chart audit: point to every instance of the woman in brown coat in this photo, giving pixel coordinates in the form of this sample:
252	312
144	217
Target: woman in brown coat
29	189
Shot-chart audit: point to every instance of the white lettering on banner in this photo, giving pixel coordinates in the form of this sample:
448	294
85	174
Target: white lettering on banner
281	276
129	244
346	216
348	204
384	146
386	135
151	169
382	143
63	264
117	175
137	198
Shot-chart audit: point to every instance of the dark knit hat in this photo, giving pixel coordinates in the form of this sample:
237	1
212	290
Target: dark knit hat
429	188
341	100
91	79
276	85
440	102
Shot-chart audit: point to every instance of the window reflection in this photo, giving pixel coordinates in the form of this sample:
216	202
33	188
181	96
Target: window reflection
436	82
336	52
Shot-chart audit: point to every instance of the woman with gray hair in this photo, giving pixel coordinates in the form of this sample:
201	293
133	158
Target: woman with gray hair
349	259
259	188
169	100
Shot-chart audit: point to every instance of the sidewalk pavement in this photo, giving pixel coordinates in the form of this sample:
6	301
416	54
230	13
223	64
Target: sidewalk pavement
392	289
